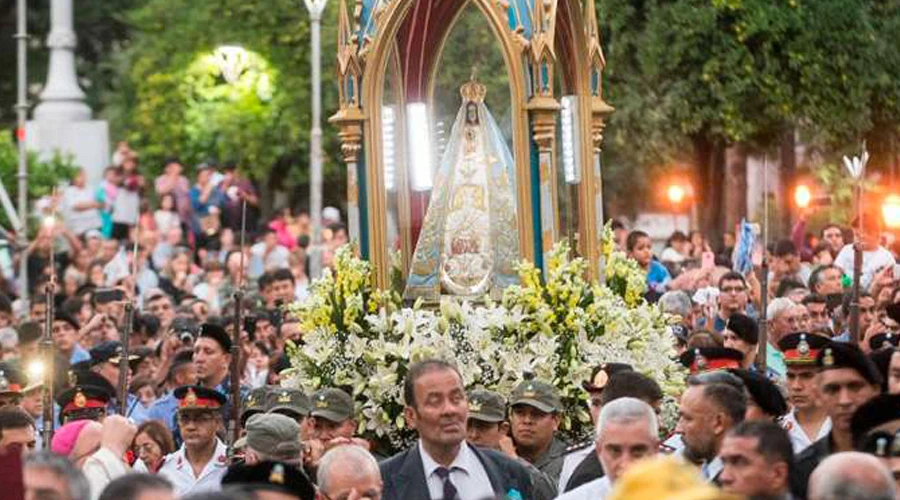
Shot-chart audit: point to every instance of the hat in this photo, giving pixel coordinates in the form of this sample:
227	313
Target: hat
681	333
331	214
254	403
80	398
763	391
12	380
65	437
63	316
487	406
194	397
108	351
601	374
278	436
93	233
880	410
837	355
744	327
880	340
801	348
271	476
709	359
84	376
332	404
540	395
288	401
217	333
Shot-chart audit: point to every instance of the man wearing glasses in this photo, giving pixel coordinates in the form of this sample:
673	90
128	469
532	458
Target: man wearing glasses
201	462
733	298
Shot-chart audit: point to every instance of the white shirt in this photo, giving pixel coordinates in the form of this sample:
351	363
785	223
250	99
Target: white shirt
570	463
102	468
79	221
872	262
799	439
594	490
179	472
712	469
467	474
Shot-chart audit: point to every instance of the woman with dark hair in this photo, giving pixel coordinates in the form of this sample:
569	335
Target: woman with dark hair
152	443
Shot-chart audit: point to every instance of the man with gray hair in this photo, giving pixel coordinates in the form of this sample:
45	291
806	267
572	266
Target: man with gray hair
851	475
46	475
627	431
784	316
678	302
348	471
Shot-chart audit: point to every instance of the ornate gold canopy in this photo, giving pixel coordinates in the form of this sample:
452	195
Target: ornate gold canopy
404	40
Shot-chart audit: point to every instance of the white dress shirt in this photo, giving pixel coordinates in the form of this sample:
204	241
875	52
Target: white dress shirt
467	474
571	462
179	472
711	470
102	468
799	439
594	490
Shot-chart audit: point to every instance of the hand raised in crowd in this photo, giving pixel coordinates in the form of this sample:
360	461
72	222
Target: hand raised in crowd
118	434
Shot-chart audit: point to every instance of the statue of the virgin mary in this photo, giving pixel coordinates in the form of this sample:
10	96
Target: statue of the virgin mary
469	242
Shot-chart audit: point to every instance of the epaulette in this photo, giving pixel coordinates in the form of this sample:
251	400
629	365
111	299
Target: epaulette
578	446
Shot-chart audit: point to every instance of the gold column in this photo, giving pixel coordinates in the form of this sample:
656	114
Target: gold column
543	111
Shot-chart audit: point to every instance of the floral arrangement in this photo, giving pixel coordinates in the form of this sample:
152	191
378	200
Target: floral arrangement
557	329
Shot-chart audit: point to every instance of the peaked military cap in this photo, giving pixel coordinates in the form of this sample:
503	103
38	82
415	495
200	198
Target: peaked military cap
802	348
709	359
487	406
292	402
332	404
537	394
194	397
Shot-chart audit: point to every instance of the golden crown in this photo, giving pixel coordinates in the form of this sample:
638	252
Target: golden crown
473	91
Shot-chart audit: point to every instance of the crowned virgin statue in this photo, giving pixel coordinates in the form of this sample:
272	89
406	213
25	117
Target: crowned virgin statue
469	241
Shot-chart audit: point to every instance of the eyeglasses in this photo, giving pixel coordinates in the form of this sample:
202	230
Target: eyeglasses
198	418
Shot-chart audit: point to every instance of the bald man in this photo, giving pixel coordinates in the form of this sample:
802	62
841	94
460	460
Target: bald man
851	476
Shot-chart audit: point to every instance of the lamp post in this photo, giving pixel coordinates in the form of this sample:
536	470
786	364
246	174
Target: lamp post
676	194
22	112
315	7
890	210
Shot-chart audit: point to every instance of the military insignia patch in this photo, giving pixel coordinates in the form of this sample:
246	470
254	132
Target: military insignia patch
828	358
190	399
284	397
803	347
277	474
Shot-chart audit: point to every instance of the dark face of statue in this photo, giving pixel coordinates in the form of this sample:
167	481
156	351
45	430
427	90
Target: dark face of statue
471	113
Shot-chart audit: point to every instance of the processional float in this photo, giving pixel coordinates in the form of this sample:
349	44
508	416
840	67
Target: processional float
492	194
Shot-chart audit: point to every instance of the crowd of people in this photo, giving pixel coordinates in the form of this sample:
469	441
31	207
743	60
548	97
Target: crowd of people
804	411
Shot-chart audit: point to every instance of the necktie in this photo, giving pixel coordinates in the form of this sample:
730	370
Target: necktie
449	490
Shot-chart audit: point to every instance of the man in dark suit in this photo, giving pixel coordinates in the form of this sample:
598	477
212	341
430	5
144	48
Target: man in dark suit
442	466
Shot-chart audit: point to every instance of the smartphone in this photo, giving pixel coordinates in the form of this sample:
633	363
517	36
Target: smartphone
709	260
107	295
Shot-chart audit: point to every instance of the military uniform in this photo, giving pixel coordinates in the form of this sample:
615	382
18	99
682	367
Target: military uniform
545	398
580	466
799	439
176	467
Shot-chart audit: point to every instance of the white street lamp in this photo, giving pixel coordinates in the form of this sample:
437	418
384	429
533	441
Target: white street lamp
316	8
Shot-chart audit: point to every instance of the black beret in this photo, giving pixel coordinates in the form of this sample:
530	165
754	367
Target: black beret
601	374
875	412
764	392
217	333
838	355
744	327
195	397
279	477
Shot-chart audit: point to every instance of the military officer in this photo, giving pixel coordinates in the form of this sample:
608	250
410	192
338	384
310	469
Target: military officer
105	359
83	402
808	421
535	414
200	463
847	379
710	359
11	385
293	403
254	403
876	430
333	414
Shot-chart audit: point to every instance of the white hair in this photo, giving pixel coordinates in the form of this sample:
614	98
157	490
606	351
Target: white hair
851	476
626	411
778	306
63	469
346	457
676	302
